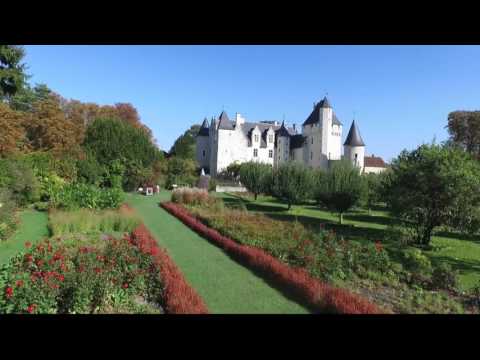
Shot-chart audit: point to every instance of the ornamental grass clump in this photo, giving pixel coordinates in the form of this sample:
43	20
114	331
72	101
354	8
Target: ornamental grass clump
92	221
192	196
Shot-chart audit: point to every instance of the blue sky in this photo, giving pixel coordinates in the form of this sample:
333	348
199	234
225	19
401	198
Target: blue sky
401	95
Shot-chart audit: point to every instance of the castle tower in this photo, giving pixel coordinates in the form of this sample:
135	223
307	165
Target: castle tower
354	147
203	145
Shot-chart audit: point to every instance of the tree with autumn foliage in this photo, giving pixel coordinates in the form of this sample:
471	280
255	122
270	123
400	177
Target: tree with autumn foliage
12	134
48	129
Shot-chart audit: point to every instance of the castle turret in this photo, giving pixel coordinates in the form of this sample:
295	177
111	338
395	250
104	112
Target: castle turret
203	145
354	147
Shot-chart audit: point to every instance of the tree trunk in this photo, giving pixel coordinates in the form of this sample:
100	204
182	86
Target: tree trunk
427	235
255	196
341	218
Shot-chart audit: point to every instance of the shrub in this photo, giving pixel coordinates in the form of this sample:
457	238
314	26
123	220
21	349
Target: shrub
444	277
7	214
75	196
212	185
417	262
19	178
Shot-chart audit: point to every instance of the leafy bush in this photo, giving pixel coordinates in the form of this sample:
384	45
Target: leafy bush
41	205
19	178
212	185
444	277
417	262
76	195
7	214
87	221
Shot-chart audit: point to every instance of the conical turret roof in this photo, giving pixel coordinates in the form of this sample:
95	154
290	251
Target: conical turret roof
353	137
283	130
204	129
224	122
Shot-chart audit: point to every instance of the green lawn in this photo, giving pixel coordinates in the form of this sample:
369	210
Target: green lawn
462	253
32	227
226	286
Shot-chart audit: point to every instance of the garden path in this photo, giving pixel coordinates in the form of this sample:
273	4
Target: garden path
32	228
225	286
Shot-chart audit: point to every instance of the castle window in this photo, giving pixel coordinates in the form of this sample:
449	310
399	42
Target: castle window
256	138
311	156
270	153
255	152
270	138
312	139
203	153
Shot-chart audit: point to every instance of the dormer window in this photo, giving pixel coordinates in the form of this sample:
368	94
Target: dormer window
255	138
270	138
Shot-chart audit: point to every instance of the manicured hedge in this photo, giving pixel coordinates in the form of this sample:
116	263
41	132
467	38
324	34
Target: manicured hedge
179	297
315	294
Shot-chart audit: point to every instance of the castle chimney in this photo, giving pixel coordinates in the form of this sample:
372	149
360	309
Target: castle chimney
294	128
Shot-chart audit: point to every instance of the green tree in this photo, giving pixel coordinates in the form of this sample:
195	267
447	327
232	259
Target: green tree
464	130
292	182
184	146
111	141
12	70
340	188
435	185
373	190
255	176
24	99
181	172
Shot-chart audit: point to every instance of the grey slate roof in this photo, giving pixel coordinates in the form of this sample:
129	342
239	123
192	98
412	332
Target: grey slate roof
353	137
204	129
224	122
282	131
297	141
314	116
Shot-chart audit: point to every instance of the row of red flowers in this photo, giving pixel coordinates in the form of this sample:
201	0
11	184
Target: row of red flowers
313	293
179	296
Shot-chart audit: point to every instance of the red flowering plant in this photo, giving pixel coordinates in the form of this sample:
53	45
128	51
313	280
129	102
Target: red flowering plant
54	278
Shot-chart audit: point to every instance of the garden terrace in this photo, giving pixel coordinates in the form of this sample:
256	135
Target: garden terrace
95	272
361	226
297	282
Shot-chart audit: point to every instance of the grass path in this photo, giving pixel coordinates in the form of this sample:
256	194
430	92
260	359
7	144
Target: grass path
225	286
32	227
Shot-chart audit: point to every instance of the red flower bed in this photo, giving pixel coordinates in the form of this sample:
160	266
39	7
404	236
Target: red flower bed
179	296
313	293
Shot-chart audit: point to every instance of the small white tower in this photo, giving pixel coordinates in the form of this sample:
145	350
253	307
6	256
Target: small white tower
354	147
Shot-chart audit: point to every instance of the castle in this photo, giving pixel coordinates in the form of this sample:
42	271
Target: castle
225	141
